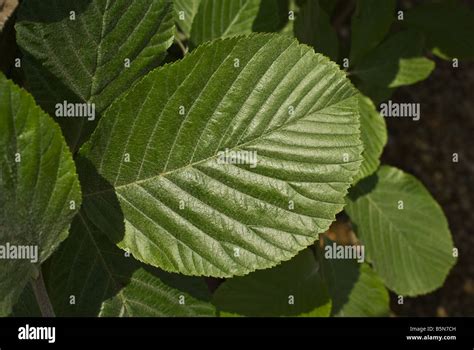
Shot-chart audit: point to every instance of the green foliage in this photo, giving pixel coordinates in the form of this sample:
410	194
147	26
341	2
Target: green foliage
185	210
370	23
106	281
226	18
313	27
355	289
221	19
294	288
229	162
373	132
184	13
404	230
397	61
89	66
448	27
38	183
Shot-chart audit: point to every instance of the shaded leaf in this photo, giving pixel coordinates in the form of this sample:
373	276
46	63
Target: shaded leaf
26	306
294	288
371	22
396	62
354	288
272	16
312	27
38	181
377	94
84	60
448	27
328	5
104	281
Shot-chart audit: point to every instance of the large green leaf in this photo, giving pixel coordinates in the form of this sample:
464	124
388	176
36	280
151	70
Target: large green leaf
223	18
354	288
448	26
404	230
370	23
84	60
184	12
313	27
38	184
373	132
178	204
294	288
103	280
396	62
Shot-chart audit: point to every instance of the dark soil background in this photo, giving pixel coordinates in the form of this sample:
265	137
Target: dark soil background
425	149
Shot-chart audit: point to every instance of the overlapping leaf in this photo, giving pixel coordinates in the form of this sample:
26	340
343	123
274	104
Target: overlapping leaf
373	133
90	276
404	230
397	61
223	18
354	288
77	51
370	23
294	288
272	16
184	12
169	195
448	27
39	190
313	27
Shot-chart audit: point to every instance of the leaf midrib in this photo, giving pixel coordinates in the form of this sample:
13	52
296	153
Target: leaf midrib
190	165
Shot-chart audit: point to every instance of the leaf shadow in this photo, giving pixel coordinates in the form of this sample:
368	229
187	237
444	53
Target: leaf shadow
375	72
273	288
63	9
97	270
341	275
363	187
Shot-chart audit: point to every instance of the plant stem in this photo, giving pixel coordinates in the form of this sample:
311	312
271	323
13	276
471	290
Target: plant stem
184	49
344	14
42	296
